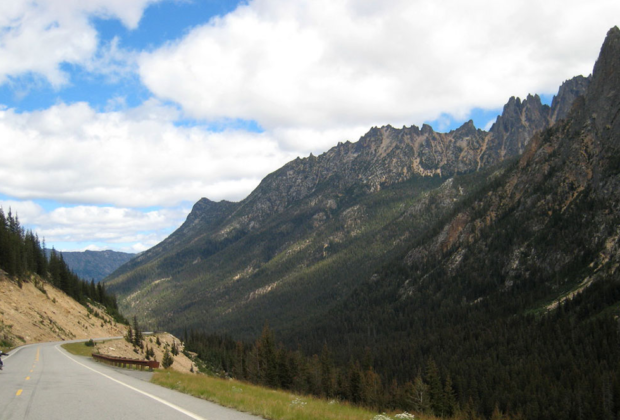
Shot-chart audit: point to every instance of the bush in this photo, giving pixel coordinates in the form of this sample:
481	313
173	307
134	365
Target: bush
90	343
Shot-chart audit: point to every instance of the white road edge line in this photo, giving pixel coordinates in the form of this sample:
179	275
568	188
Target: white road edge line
173	406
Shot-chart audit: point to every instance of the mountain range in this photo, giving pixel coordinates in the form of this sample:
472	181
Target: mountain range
312	231
94	265
490	256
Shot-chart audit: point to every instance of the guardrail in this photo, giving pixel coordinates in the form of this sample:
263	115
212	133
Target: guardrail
126	362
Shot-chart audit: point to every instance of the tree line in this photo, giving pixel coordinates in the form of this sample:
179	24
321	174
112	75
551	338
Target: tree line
22	254
561	365
266	363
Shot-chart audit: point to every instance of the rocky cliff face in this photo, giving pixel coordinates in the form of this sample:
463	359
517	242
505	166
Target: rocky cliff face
386	156
556	213
569	91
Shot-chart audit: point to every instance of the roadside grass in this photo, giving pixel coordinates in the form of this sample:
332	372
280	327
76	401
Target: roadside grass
267	403
79	349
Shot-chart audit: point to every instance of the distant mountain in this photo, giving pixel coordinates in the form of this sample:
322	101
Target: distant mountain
311	232
95	265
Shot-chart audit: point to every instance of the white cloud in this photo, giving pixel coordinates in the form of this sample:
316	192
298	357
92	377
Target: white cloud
93	225
326	64
37	36
305	140
112	61
135	158
310	72
26	211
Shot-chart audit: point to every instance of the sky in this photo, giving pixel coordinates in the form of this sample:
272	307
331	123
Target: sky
116	116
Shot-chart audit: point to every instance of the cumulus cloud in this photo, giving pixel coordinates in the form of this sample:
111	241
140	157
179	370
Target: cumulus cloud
310	73
88	227
135	158
26	211
326	64
37	36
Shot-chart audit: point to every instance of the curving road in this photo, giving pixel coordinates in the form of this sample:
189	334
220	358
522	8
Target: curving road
44	382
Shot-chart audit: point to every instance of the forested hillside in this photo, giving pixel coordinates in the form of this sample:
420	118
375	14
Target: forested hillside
23	258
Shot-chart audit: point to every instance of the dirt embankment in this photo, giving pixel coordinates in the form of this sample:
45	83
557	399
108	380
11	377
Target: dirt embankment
38	312
122	348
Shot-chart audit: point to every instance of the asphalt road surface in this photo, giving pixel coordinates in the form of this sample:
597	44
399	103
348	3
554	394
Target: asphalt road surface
44	382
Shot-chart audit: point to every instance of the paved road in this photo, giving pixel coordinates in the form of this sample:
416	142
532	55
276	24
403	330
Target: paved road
44	382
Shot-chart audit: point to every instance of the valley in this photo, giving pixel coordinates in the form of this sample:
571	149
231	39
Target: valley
465	268
414	257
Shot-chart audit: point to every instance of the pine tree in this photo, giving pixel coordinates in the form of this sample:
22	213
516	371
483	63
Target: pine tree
435	389
497	414
129	335
327	388
267	358
449	396
372	389
284	375
137	334
167	360
240	369
355	382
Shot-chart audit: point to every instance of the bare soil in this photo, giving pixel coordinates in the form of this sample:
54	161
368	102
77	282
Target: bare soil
38	312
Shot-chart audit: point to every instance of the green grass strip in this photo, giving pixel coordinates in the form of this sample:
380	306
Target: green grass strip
79	349
267	403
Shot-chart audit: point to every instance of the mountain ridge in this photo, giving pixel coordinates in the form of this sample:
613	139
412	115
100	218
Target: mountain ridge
94	265
223	243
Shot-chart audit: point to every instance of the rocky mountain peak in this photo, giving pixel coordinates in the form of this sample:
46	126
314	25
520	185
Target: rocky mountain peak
206	208
386	155
568	92
427	129
467	128
603	96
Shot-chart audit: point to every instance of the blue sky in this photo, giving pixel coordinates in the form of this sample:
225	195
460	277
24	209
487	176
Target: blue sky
117	115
